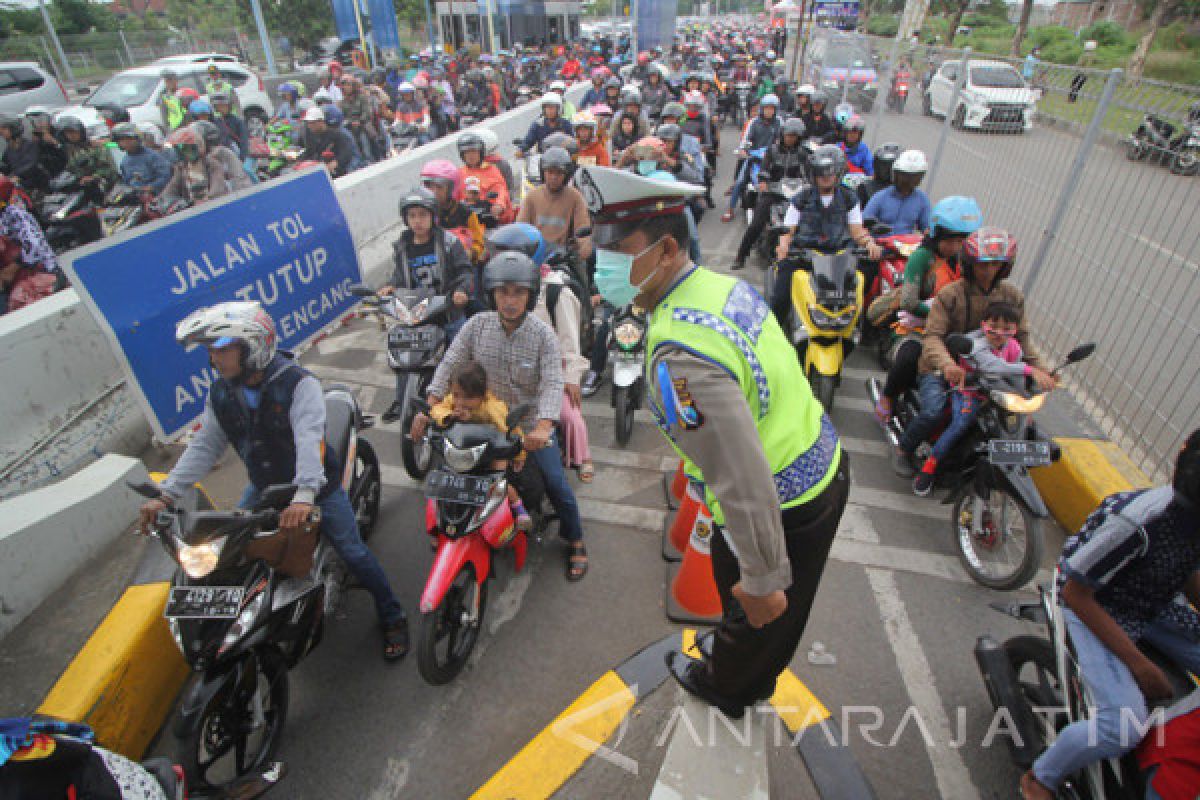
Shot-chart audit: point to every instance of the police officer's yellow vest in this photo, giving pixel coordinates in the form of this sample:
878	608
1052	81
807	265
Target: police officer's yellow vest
174	109
724	321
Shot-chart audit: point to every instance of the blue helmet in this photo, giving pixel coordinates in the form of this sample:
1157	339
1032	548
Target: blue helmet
288	88
955	216
333	116
522	237
200	107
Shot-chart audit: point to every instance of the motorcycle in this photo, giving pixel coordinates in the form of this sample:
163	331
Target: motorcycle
627	352
897	98
468	516
996	510
405	137
752	167
1158	139
471	115
416	342
1036	681
783	192
70	211
242	623
740	109
530	170
827	296
896	250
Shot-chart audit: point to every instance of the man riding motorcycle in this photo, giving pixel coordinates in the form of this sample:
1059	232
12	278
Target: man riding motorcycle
882	159
142	169
550	122
761	133
785	159
858	155
472	150
817	121
902	205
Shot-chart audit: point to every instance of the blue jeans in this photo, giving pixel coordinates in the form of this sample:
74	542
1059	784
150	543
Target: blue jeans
933	391
964	409
549	461
340	528
739	184
1111	731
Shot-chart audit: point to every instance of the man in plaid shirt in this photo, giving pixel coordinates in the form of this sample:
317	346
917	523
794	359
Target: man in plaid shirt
524	366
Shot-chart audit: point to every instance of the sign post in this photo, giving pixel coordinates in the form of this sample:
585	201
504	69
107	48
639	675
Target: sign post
285	244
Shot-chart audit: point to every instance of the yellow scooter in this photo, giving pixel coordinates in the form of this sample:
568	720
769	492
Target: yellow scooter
827	298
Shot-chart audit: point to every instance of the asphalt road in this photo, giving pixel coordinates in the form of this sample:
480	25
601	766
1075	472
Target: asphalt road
1123	269
894	608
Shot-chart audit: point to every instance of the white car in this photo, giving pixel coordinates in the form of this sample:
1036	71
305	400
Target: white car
994	96
138	91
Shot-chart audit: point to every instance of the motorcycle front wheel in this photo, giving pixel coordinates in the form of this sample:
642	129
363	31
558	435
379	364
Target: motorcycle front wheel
239	730
1186	162
448	633
823	387
417	456
625	411
1033	665
998	540
366	488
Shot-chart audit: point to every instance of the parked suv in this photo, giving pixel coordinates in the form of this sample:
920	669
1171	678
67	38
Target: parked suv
138	91
994	96
24	84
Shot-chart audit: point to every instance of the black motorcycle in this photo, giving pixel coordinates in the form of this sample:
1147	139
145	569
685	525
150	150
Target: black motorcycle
996	509
416	343
739	110
1156	138
627	352
70	210
242	623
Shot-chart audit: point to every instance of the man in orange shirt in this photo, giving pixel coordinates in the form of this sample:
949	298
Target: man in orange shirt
592	151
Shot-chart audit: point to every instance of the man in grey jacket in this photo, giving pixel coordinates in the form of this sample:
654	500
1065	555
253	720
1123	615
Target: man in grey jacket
273	413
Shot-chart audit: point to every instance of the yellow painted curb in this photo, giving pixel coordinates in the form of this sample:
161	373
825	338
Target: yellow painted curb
125	680
795	704
1088	471
557	753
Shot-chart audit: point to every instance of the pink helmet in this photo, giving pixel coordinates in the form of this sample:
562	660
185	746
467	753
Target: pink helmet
601	108
600	73
440	170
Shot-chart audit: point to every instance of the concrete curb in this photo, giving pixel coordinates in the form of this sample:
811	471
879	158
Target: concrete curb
1088	471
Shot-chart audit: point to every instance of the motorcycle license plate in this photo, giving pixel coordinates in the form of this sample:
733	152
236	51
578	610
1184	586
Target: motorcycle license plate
411	338
1018	452
467	490
204	602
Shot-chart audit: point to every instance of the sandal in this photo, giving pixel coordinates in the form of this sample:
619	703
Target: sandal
587	472
577	561
395	641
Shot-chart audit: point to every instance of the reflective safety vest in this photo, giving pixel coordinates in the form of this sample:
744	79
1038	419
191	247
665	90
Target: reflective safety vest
725	321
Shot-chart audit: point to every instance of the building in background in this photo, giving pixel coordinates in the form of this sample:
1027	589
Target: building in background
528	22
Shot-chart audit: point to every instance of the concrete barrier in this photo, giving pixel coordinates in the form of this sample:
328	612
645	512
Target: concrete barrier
65	398
46	535
1088	471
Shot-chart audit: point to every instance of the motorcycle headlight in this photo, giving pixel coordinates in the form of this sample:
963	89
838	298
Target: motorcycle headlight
628	334
462	460
418	312
1011	401
243	622
838	319
200	560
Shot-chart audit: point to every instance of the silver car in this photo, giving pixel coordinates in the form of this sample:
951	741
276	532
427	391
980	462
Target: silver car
24	84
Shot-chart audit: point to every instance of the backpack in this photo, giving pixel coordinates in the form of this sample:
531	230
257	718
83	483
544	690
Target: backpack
586	322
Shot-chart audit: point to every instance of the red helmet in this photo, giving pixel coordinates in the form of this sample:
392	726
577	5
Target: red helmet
643	57
7	187
187	95
989	245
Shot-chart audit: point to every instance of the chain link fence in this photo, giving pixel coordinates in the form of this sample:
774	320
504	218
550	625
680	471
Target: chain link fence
1095	176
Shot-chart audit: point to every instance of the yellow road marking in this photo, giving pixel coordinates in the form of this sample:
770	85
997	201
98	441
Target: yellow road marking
795	704
554	755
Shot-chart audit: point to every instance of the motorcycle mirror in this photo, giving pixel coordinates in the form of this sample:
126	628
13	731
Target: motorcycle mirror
1080	353
958	345
361	290
146	489
276	496
516	415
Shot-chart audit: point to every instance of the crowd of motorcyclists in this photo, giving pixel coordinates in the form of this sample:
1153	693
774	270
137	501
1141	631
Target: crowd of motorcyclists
801	167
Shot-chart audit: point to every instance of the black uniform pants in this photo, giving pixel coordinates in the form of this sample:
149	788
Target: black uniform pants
762	215
746	660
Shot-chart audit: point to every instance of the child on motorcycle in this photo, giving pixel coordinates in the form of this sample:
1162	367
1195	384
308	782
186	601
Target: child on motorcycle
1119	581
994	351
470	400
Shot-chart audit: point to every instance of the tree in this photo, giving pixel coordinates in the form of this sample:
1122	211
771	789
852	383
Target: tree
1022	26
956	21
81	16
304	22
1137	62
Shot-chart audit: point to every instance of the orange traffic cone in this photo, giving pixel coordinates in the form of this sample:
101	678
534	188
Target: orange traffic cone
674	487
691	590
678	529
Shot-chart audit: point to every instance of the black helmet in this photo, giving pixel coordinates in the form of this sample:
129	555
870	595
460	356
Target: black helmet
13	123
557	158
71	124
1187	469
612	83
669	132
794	126
819	97
828	159
564	140
126	130
471	141
219	97
208	131
419	197
886	155
512	267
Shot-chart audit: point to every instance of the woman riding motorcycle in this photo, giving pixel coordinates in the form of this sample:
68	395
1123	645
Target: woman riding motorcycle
932	266
473	151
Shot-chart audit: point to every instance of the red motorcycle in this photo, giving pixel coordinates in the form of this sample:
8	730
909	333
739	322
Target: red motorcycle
898	97
468	516
896	250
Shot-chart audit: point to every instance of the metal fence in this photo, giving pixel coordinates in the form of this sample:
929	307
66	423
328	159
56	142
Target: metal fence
1109	235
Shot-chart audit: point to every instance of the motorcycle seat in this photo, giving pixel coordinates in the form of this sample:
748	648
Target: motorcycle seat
339	423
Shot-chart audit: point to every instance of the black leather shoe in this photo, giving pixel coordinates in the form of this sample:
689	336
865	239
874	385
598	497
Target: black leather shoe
395	411
591	383
704	646
689	674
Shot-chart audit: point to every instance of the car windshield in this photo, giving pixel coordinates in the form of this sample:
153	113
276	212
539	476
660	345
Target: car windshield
997	78
124	90
843	55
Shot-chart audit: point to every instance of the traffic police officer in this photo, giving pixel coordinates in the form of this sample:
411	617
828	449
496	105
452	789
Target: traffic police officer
730	396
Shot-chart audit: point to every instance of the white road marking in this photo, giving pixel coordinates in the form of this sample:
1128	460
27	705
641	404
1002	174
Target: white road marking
953	779
711	755
901	501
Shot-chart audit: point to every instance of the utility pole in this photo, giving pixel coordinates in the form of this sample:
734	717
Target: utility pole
256	7
57	45
913	18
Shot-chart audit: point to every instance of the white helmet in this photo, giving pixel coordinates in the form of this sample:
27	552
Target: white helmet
223	324
320	96
151	133
490	140
806	89
911	161
551	99
558	86
406	87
